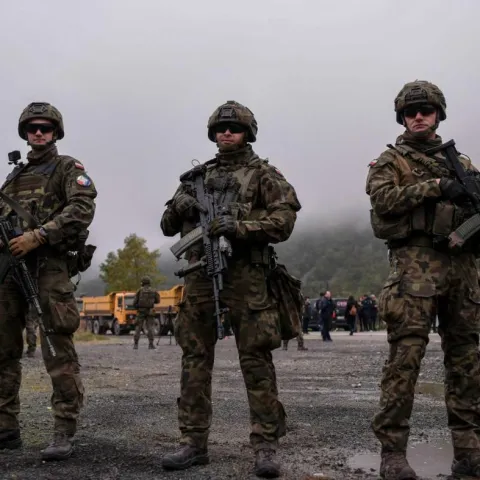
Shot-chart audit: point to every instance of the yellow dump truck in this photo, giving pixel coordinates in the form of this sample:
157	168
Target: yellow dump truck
115	311
167	309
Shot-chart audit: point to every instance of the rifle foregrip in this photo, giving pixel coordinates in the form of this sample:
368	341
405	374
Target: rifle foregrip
465	231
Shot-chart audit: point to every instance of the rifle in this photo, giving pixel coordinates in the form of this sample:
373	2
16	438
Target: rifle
21	275
472	186
216	249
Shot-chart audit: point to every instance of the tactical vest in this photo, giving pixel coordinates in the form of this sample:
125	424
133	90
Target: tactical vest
146	298
242	208
28	186
433	217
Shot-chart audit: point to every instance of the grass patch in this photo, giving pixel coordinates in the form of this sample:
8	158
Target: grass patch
82	336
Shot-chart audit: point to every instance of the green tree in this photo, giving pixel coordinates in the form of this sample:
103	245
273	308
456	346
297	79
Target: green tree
124	269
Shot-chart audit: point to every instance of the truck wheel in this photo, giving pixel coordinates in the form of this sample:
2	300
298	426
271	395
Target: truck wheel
116	330
96	327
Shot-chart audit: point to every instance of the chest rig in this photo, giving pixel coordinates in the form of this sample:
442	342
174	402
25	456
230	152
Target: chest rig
29	186
434	218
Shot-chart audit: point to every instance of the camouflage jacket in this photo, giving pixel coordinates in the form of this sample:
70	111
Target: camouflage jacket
405	196
266	211
56	190
266	205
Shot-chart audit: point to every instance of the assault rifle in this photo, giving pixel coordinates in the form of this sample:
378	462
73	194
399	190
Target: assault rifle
21	275
215	201
472	186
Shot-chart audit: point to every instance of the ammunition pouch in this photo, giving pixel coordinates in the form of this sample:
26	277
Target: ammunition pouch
80	260
287	291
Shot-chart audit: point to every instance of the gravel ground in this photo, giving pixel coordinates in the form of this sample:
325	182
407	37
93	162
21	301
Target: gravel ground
129	421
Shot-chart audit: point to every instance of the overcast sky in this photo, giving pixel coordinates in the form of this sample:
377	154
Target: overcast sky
137	80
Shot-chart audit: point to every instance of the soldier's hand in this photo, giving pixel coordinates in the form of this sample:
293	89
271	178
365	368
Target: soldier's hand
28	241
452	190
224	225
183	202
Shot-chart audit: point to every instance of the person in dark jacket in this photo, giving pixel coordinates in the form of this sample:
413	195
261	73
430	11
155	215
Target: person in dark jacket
307	314
327	307
351	313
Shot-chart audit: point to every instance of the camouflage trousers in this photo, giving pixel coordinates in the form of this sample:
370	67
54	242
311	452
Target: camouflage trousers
61	315
31	332
144	320
256	334
300	341
421	284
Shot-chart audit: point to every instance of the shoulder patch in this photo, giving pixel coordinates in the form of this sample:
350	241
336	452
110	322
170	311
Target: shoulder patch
278	171
373	162
84	180
79	165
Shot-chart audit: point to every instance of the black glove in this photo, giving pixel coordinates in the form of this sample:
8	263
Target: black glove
224	225
452	190
183	202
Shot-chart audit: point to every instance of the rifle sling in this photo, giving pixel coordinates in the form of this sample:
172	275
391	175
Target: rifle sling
27	216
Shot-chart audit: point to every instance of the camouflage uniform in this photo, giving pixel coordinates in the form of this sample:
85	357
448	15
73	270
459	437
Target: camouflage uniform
56	189
414	214
265	213
145	299
31	333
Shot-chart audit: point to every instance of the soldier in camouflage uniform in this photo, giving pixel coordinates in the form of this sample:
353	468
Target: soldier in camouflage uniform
416	203
145	299
31	334
264	213
58	192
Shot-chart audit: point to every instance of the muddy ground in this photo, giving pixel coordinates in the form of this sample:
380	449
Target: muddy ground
129	421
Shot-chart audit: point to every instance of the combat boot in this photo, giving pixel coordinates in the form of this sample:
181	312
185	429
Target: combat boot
185	457
285	345
466	463
302	348
151	346
10	439
135	346
30	352
266	464
394	466
60	449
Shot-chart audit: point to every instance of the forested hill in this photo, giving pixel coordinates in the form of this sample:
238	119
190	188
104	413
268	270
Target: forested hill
347	260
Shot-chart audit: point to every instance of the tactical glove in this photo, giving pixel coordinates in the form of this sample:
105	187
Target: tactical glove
452	190
183	202
28	241
224	225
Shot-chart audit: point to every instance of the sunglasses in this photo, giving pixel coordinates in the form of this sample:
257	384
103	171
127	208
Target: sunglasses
424	110
43	127
231	127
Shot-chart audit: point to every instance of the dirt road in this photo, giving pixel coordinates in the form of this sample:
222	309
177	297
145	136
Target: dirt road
129	421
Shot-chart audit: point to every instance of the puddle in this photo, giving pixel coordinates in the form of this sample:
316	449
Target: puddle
427	459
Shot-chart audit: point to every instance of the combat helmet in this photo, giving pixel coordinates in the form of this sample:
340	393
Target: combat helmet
420	91
41	110
146	280
233	112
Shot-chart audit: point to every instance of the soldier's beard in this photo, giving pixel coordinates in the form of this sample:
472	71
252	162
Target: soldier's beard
230	147
40	148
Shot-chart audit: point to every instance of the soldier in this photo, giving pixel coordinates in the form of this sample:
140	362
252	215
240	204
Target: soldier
145	299
416	203
31	333
57	191
265	213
